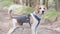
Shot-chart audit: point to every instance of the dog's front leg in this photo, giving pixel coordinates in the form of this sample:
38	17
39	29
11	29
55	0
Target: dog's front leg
34	28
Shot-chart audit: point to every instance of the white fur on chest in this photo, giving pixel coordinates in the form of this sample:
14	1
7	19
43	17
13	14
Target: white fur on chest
33	26
35	21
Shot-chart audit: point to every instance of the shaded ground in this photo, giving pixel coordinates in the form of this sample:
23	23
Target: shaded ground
42	29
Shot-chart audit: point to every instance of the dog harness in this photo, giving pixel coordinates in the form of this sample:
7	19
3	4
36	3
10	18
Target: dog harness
26	19
37	19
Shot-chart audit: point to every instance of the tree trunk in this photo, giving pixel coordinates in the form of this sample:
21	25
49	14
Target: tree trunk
16	1
41	2
58	5
46	3
21	2
33	3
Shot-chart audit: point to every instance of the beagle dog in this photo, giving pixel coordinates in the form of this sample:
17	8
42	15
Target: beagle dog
33	19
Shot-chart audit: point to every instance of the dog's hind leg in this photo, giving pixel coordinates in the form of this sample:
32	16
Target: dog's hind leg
11	30
13	27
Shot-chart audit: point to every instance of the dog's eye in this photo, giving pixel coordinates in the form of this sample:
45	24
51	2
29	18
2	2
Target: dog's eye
39	8
44	8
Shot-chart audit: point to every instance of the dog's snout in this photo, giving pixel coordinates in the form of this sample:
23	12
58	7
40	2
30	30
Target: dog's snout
42	12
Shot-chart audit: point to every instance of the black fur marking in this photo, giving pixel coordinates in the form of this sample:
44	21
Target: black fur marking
23	19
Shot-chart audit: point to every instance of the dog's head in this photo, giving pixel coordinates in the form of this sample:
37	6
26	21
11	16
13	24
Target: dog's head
40	9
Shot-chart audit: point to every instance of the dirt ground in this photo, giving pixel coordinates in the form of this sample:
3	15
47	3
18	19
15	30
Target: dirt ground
42	29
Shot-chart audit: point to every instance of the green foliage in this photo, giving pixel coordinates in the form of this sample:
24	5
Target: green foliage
18	8
22	9
50	14
5	3
27	9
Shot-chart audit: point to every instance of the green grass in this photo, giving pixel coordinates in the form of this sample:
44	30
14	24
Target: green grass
5	3
50	14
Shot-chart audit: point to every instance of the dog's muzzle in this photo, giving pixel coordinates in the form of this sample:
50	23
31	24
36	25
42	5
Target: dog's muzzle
42	12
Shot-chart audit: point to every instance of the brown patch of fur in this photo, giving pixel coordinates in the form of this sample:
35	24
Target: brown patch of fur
31	20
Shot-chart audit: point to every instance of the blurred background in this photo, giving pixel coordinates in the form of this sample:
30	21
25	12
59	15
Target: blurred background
50	22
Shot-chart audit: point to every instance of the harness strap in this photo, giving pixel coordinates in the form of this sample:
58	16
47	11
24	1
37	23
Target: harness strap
37	19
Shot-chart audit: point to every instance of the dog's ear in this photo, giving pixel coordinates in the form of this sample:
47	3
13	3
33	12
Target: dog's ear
46	8
37	9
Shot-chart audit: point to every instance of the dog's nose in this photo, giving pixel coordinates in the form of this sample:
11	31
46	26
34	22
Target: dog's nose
42	12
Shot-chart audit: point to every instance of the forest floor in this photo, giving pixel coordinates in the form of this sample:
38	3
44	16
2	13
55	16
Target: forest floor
44	28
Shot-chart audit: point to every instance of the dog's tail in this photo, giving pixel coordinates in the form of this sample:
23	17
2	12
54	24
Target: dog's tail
10	14
10	9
